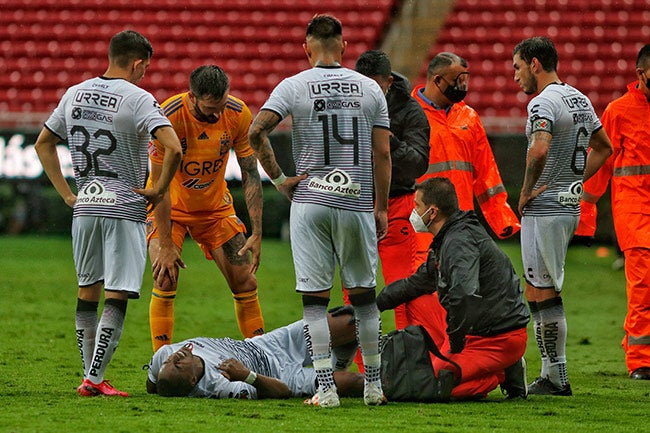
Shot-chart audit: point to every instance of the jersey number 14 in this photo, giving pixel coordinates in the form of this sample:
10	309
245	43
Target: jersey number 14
331	121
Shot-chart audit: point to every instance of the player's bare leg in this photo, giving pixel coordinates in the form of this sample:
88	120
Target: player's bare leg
237	271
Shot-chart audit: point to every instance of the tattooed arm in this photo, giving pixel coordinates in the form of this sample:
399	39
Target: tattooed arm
252	187
535	162
258	135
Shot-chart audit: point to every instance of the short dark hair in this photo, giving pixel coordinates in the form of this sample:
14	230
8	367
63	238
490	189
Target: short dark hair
443	60
173	385
643	59
373	62
209	80
439	191
127	46
539	47
324	27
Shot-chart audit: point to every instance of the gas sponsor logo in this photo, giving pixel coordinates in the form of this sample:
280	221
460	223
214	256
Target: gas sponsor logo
322	105
97	116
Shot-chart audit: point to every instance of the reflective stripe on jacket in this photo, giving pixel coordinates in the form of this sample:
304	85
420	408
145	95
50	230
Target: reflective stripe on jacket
627	123
460	151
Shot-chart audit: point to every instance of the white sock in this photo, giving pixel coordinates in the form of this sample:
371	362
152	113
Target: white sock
317	335
86	327
368	323
109	332
554	329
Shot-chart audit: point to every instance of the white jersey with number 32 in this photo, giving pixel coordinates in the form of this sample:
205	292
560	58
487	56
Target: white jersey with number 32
108	124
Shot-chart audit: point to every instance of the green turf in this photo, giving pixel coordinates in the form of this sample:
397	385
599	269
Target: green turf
40	366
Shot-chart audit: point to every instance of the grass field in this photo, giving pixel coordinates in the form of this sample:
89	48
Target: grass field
40	366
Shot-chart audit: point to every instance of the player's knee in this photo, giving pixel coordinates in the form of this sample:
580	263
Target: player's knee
246	284
167	285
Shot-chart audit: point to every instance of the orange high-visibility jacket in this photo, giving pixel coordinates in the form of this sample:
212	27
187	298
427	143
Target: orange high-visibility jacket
627	123
461	152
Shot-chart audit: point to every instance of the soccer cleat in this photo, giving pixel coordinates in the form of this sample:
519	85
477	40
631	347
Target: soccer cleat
328	398
514	385
543	386
373	395
86	389
642	373
89	389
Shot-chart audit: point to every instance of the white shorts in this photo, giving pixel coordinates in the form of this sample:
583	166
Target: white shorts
322	237
110	250
287	348
544	244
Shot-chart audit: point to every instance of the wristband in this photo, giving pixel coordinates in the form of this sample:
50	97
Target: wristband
279	180
252	377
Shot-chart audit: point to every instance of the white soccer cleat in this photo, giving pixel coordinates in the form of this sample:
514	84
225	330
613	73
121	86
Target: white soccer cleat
373	395
328	398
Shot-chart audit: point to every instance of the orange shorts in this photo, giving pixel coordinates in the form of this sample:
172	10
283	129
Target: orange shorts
210	230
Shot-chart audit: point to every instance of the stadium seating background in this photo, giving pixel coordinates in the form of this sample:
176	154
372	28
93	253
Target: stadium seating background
49	45
597	43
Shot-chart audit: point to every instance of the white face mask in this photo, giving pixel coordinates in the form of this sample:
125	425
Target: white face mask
418	223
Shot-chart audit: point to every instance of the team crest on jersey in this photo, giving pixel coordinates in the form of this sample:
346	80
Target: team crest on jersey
337	182
225	144
95	194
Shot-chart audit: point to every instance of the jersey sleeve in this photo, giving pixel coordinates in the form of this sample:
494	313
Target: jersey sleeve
541	114
148	114
56	122
281	99
241	144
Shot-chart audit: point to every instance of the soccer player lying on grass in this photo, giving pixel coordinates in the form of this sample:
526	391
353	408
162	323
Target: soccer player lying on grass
273	365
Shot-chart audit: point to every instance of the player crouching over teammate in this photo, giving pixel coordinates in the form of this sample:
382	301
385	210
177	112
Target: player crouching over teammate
477	286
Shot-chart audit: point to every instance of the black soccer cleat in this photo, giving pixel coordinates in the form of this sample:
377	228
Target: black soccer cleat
514	385
543	386
642	373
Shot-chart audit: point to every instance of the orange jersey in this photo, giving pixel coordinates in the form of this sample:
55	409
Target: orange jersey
460	151
199	184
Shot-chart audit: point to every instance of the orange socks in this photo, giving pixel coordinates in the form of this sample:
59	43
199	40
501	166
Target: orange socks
249	314
161	317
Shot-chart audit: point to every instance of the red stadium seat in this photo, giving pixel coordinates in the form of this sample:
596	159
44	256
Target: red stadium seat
56	43
597	42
